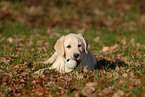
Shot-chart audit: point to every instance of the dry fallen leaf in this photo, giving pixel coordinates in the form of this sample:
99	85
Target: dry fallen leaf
114	47
52	35
141	95
79	75
39	90
85	70
119	93
91	84
97	39
121	82
107	91
138	44
123	42
99	12
10	39
81	30
1	71
87	91
124	75
33	10
105	49
2	59
132	40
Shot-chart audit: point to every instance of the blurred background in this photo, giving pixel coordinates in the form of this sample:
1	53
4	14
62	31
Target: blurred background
118	16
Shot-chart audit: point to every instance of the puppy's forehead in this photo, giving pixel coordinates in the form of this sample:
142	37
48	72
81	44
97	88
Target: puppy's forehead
72	39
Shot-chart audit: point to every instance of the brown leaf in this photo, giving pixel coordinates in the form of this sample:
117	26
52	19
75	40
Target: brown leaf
125	75
87	91
1	71
52	35
119	93
85	70
114	47
10	39
132	95
141	95
121	82
132	40
91	84
136	81
79	75
97	39
38	90
107	91
2	59
105	49
81	30
123	42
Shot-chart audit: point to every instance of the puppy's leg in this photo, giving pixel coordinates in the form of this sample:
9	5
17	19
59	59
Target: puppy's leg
40	71
51	59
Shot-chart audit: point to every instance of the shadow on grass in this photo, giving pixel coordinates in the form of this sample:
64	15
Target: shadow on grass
106	64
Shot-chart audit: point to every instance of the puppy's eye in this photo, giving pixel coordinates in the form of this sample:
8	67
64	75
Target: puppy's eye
69	46
79	45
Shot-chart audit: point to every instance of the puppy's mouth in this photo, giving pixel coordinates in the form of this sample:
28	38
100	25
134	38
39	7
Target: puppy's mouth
78	62
78	59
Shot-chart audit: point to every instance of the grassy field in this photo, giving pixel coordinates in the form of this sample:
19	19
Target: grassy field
116	36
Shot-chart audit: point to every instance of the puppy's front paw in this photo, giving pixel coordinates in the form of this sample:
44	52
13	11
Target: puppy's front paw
44	62
50	61
40	71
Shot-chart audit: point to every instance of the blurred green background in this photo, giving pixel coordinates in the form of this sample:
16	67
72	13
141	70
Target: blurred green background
118	16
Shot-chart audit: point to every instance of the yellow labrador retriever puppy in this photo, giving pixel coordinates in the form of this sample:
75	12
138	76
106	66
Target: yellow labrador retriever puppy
72	48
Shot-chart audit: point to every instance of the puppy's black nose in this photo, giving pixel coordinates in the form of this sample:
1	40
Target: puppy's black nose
76	55
67	60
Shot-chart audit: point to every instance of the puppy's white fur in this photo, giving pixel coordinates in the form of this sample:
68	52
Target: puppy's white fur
63	52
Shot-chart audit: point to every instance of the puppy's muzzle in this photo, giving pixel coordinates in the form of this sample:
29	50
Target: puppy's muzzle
78	62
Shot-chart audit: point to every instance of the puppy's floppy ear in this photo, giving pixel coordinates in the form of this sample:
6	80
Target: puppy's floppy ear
59	47
85	41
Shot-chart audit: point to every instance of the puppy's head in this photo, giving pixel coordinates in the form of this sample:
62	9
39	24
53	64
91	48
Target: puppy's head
71	46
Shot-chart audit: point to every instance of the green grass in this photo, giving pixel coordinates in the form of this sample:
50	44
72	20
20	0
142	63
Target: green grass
28	34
